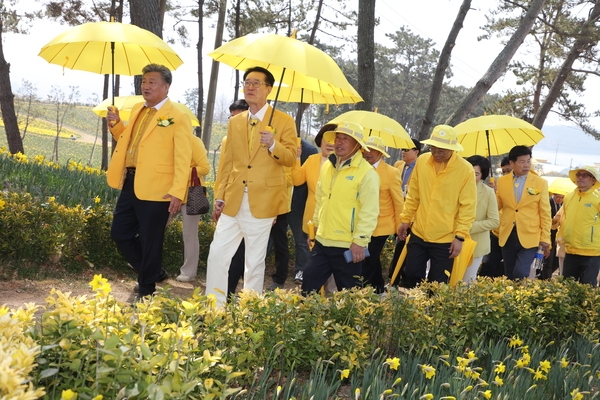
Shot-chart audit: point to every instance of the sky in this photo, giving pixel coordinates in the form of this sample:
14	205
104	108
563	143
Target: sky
431	19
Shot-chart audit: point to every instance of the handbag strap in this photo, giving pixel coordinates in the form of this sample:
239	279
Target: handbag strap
195	179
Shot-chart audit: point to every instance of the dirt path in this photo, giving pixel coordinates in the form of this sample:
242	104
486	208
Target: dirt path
83	135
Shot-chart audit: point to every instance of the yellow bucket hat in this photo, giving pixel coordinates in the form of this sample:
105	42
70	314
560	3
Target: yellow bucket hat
587	168
351	129
376	143
444	137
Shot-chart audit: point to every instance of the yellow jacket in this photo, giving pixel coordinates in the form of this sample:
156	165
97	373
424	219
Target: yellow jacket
531	215
486	219
262	172
581	225
164	154
391	201
347	202
442	205
308	173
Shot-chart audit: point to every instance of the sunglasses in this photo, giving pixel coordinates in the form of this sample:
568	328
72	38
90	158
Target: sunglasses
583	175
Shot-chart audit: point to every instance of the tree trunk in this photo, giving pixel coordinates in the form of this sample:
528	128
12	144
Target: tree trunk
366	53
200	69
584	41
440	71
498	66
303	106
145	14
214	76
7	105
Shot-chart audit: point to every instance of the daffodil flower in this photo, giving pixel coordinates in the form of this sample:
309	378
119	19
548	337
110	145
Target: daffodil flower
394	363
428	370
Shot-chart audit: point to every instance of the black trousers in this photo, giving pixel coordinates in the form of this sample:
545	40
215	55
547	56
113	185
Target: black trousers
279	241
138	229
371	270
415	266
323	262
492	264
584	269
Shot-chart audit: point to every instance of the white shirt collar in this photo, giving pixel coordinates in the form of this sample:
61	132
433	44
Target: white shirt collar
159	105
260	114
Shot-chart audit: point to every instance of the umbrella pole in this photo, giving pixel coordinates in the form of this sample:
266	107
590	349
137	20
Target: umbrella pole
112	53
487	137
276	97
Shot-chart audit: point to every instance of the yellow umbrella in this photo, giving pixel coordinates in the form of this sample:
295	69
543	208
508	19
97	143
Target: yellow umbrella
126	103
493	135
375	124
109	48
299	95
560	185
298	64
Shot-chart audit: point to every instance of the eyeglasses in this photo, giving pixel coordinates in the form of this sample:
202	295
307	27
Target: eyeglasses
414	148
583	175
435	150
254	84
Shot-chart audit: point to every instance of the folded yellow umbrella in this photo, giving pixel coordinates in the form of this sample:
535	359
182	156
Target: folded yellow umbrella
462	261
400	261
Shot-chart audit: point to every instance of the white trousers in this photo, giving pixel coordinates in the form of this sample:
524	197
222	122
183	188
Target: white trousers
191	247
471	271
228	236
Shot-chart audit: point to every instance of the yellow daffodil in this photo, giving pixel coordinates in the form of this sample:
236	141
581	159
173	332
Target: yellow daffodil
487	394
68	395
397	381
344	374
498	381
564	363
576	395
386	392
96	199
2	203
515	341
427	396
394	363
500	368
539	375
357	394
97	282
99	397
428	370
471	355
545	366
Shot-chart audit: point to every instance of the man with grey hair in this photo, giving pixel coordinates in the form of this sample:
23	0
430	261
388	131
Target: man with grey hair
150	165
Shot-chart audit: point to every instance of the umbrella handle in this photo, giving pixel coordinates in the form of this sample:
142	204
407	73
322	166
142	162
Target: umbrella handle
276	97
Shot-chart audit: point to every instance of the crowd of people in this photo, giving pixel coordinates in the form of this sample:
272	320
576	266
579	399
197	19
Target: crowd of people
341	200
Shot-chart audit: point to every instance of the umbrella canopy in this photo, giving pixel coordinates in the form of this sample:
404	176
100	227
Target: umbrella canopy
493	135
560	185
374	124
126	103
300	95
297	64
87	47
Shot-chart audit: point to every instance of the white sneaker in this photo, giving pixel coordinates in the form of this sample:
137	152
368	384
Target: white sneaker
185	278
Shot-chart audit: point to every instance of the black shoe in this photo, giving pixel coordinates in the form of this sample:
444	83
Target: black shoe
164	275
299	277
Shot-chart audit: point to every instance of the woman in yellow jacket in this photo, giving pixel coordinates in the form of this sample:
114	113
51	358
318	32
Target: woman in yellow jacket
191	246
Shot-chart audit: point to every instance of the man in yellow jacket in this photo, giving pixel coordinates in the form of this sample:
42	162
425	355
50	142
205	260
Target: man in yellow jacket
151	166
346	211
441	201
253	187
391	203
524	215
580	230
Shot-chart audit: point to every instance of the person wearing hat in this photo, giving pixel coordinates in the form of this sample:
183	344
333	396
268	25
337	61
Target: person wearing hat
580	230
524	215
406	167
308	173
391	203
441	201
347	206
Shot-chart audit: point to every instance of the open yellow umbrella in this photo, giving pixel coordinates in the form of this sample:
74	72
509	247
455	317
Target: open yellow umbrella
109	48
300	95
493	135
375	124
298	64
126	103
560	185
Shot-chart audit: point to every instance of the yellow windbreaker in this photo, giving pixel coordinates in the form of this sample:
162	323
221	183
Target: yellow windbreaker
581	225
347	202
441	205
391	201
